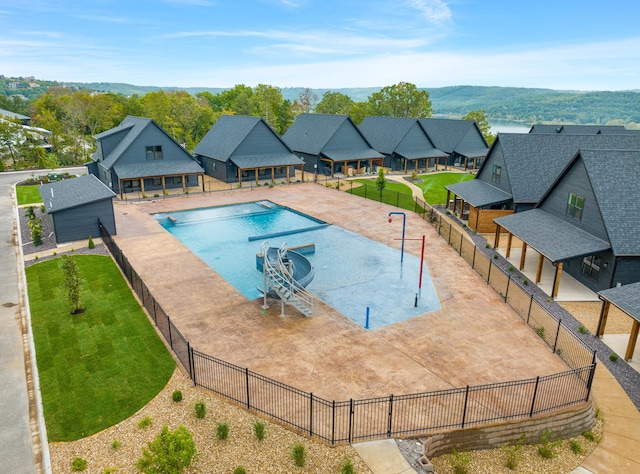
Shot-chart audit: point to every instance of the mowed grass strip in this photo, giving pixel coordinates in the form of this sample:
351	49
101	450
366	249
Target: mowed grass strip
432	185
96	368
396	194
28	194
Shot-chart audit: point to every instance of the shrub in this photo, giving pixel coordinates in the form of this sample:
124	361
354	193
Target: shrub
547	448
91	245
512	454
115	444
30	213
582	329
222	431
525	282
35	227
42	209
72	283
156	195
598	414
259	430
201	409
347	467
145	423
239	470
487	245
78	464
176	396
576	447
298	454
460	462
590	436
613	357
109	470
170	452
539	331
511	268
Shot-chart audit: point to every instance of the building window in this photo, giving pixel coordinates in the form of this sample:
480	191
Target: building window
575	204
591	266
497	171
157	181
154	152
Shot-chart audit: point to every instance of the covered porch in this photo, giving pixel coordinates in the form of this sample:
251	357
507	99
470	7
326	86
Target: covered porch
159	177
483	202
350	162
626	298
269	166
549	242
416	160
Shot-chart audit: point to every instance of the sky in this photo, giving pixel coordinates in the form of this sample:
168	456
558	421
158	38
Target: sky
559	44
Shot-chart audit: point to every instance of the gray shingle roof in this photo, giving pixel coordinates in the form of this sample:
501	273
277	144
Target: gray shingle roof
614	178
310	133
352	155
534	161
479	193
459	136
386	135
551	236
626	297
13	115
157	168
266	160
578	129
70	193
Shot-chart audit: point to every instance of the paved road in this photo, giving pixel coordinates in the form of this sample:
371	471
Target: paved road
19	431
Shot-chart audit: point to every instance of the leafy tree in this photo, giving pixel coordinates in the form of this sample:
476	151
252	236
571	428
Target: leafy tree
400	100
335	103
481	119
72	283
169	453
381	181
11	137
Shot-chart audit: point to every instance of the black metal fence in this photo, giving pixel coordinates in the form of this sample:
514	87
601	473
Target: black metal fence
417	414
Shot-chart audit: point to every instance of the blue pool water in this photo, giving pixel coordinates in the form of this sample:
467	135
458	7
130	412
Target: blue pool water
351	271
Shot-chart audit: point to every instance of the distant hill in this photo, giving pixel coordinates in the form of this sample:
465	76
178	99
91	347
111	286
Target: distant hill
513	103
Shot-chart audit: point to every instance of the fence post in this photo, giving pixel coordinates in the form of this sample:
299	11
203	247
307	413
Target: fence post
591	375
473	260
246	378
506	291
530	306
555	343
170	338
535	392
333	422
192	372
450	229
489	272
350	418
464	411
311	414
461	240
390	415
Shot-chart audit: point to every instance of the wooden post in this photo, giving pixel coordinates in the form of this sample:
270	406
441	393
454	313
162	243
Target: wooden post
120	187
184	184
523	255
455	203
604	313
142	186
239	177
631	347
164	188
255	171
461	209
496	240
509	241
556	280
539	270
273	174
448	197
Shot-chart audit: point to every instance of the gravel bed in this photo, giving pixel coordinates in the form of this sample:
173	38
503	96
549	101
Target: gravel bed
241	448
48	239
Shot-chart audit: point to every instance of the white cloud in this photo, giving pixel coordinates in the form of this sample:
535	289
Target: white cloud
436	11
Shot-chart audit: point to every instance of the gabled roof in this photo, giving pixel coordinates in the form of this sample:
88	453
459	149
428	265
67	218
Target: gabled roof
13	115
578	129
310	133
386	135
613	175
266	160
551	236
133	126
625	297
534	161
70	193
459	136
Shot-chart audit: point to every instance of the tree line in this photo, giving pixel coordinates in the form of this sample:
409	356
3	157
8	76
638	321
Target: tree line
74	116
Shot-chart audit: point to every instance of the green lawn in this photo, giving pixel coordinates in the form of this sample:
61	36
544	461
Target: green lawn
96	368
433	185
396	194
28	194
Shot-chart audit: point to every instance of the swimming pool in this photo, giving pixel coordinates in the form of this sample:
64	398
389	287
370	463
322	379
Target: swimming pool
351	271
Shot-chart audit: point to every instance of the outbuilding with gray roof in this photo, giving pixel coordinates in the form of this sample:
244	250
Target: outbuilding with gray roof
76	207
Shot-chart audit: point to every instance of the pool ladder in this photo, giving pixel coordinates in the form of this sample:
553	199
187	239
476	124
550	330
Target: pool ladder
279	277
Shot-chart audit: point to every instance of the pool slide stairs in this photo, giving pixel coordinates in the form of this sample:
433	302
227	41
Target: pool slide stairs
279	278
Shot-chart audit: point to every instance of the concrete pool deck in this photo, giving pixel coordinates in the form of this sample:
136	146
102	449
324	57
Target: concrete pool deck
475	338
